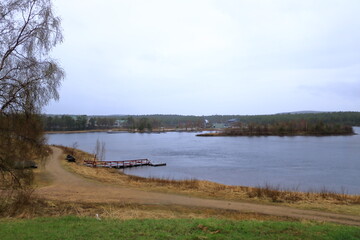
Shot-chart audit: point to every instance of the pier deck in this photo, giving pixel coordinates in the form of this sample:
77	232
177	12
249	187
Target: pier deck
122	164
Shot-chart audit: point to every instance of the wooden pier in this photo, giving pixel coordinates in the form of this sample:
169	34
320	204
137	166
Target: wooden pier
122	164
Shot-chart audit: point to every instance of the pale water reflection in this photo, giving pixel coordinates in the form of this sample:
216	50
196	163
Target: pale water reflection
306	163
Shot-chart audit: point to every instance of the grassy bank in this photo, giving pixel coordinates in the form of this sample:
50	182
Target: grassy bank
91	228
325	200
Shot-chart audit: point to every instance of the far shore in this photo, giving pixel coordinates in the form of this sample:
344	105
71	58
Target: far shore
222	134
210	132
122	130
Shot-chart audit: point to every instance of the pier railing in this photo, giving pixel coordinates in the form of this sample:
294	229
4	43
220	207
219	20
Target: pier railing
118	164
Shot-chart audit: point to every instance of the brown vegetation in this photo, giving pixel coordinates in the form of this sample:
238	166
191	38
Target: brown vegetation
267	194
21	146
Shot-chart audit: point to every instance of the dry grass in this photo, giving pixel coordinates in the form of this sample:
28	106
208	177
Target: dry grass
324	200
38	207
14	202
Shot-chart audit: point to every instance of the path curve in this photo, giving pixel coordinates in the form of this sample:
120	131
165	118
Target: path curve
70	187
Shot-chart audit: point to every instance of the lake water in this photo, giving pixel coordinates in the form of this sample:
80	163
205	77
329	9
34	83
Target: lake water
303	163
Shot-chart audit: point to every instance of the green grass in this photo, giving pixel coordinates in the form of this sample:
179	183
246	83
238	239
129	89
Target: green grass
90	228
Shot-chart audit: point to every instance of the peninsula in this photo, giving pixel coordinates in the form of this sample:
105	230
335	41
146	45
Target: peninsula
291	128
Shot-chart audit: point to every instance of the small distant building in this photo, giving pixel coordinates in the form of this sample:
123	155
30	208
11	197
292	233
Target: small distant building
207	123
228	124
120	123
219	125
233	120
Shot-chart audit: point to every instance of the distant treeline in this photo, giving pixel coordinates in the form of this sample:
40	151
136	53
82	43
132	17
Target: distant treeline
76	122
149	122
83	122
141	124
343	118
290	128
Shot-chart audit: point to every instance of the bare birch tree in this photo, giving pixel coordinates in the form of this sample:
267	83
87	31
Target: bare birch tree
29	78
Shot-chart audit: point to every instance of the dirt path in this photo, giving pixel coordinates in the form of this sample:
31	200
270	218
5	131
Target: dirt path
70	187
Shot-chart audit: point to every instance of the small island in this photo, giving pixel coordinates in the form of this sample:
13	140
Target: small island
291	128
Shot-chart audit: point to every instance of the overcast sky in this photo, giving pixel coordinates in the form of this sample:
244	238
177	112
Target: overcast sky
204	57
